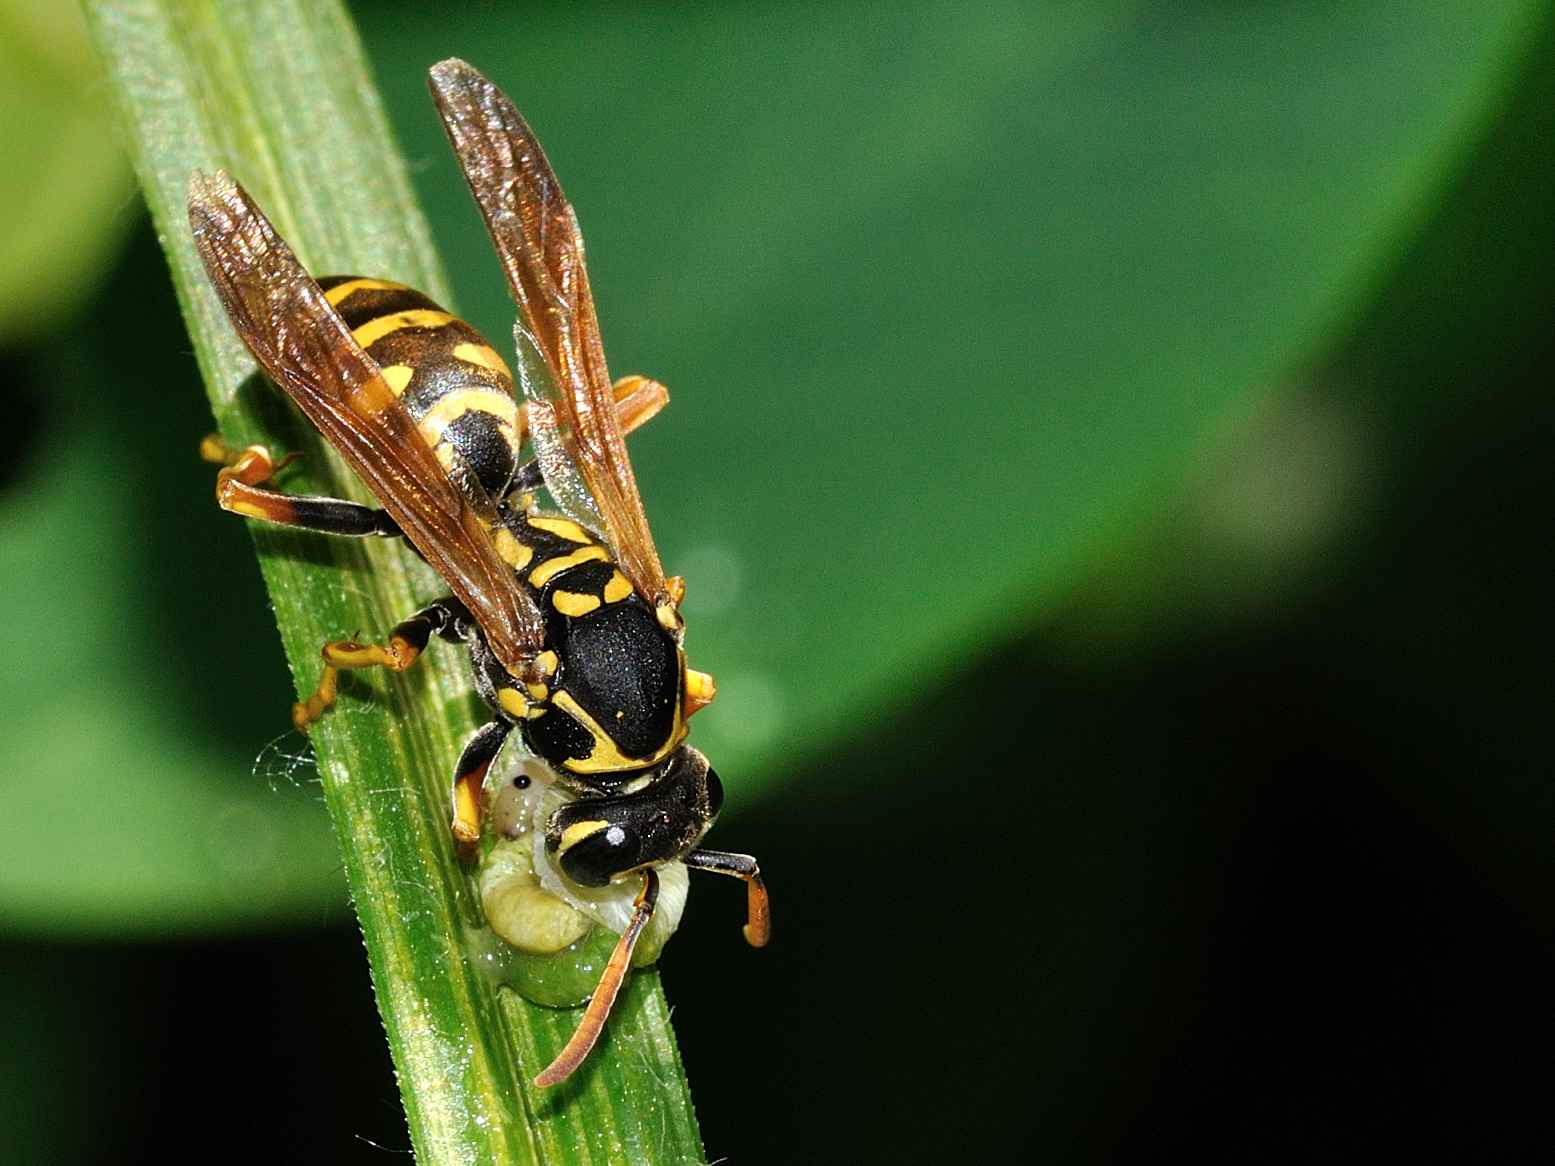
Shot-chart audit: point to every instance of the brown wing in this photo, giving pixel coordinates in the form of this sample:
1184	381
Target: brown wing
536	235
306	348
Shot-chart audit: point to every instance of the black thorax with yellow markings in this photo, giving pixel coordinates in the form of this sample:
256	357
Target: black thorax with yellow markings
453	384
609	702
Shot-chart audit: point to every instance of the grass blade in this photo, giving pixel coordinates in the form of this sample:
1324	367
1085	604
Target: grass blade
279	94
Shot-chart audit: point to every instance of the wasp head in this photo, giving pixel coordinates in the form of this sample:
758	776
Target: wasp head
595	839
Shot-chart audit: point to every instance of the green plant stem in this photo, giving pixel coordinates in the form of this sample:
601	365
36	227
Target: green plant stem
279	94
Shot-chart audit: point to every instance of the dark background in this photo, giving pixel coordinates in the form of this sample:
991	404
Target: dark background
1257	870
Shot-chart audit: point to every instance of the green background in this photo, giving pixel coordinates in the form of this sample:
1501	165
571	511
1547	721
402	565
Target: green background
1109	458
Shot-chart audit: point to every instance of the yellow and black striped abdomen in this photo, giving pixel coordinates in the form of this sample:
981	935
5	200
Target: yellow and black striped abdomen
454	385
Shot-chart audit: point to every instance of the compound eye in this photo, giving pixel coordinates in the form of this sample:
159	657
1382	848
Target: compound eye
594	859
715	793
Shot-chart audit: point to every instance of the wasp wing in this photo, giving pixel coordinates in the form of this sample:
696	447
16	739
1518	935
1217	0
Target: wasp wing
536	235
306	348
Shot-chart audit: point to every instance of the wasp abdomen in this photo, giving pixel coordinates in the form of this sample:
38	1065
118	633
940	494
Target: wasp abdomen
453	384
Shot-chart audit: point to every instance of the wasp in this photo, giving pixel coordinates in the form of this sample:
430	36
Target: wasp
574	632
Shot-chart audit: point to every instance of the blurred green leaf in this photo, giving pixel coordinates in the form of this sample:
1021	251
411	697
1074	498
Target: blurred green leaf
922	278
65	185
123	816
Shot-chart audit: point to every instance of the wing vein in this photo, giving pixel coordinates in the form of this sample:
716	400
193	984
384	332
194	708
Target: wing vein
307	349
536	234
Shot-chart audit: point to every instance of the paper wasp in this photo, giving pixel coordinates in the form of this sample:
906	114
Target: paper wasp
573	629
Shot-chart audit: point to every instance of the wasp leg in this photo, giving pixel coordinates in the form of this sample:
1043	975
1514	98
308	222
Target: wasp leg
604	998
758	925
238	490
470	776
406	643
638	400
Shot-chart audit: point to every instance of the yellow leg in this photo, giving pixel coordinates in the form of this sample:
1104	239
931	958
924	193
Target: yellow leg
243	470
214	449
700	690
397	655
251	465
470	777
638	400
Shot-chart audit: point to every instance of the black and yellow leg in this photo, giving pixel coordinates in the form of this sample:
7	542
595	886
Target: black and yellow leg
758	915
238	490
593	1023
406	643
249	466
256	458
470	776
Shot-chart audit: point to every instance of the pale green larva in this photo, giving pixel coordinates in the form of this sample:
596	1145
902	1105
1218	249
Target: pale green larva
536	909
